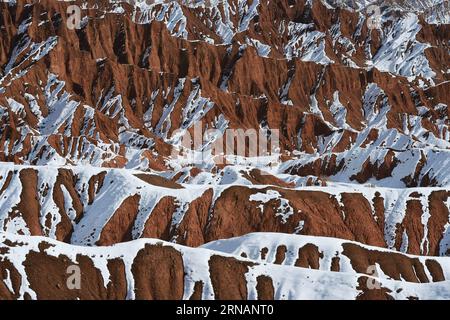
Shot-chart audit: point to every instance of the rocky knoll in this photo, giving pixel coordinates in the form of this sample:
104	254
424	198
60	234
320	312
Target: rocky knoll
37	268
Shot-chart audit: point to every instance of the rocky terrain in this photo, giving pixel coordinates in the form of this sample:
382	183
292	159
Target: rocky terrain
353	203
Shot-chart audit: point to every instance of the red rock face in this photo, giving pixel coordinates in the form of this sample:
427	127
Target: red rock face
90	119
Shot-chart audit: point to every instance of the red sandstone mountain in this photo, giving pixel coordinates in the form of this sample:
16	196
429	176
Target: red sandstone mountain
89	119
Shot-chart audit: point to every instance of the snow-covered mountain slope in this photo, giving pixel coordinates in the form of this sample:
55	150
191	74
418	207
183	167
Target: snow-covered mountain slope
94	206
90	119
35	268
329	254
134	97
